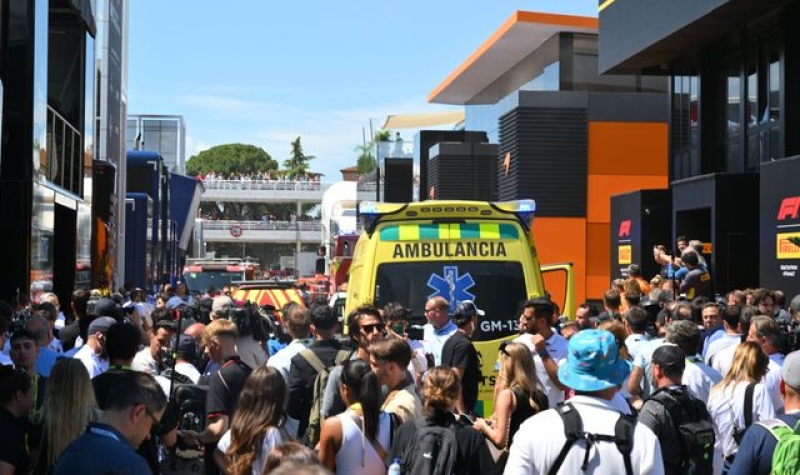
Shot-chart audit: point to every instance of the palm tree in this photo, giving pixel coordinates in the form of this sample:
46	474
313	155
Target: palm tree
366	159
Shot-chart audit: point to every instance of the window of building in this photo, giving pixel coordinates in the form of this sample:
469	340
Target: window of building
763	101
685	126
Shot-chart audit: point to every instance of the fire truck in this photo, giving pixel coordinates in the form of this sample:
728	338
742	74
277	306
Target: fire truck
200	274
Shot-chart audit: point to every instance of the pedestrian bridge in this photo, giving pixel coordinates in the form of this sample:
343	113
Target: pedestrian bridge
264	191
262	231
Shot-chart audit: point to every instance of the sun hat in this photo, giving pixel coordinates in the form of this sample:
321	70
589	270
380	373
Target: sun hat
593	362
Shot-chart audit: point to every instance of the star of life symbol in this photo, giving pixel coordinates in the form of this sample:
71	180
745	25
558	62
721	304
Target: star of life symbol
451	286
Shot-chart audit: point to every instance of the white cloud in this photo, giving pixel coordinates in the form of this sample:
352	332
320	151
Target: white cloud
221	115
194	146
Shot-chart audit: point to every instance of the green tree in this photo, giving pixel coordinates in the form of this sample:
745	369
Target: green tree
231	158
366	159
297	163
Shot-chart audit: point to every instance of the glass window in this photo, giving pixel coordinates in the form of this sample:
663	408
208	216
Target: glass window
498	289
685	126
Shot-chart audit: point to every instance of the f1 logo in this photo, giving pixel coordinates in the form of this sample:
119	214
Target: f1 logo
789	208
625	228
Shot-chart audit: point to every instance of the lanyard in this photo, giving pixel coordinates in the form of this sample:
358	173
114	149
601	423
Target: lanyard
103	432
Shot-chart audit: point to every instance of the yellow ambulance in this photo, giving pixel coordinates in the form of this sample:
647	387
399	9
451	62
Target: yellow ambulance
459	250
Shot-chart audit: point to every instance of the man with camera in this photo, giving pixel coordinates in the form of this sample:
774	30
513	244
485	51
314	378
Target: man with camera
153	358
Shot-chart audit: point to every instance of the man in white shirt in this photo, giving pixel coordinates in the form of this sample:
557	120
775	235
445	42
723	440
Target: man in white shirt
733	336
298	326
439	327
92	354
595	370
766	332
698	377
151	359
548	347
185	355
636	320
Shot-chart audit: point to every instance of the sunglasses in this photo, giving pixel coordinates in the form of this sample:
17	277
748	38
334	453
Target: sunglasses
372	327
503	346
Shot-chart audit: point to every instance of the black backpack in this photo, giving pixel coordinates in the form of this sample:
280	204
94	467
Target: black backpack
189	402
694	427
573	430
432	451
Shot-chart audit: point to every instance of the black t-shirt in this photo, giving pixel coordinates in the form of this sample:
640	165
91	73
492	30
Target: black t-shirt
459	352
697	283
225	386
473	454
12	441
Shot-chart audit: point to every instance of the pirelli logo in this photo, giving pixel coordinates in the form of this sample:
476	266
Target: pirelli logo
624	254
788	245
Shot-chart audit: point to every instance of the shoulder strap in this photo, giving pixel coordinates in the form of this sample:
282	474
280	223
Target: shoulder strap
748	405
358	421
313	360
623	437
771	425
573	428
342	356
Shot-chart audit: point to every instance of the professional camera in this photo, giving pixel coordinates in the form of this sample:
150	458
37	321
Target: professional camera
790	335
249	321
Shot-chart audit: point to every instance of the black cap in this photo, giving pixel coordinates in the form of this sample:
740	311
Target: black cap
107	307
187	347
670	358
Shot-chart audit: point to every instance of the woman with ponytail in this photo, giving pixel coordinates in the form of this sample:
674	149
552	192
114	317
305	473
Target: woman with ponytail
356	441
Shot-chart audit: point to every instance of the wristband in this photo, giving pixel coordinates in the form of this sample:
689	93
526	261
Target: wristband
543	354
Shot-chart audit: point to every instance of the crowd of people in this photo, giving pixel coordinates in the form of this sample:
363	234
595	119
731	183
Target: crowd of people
266	180
654	382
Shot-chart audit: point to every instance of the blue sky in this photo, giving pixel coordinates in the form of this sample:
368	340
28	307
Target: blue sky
264	72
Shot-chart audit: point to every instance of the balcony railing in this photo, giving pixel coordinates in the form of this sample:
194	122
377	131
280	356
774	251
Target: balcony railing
63	162
217	225
253	184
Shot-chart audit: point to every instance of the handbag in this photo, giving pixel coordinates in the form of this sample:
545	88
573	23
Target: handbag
500	456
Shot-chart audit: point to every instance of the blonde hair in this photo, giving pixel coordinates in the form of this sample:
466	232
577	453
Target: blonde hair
749	365
519	371
442	385
218	328
69	406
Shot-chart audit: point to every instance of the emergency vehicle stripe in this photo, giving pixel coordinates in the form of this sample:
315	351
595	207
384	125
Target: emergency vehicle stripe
277	297
490	231
470	231
448	231
408	232
428	232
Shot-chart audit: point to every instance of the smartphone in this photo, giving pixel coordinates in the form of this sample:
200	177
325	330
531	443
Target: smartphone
466	419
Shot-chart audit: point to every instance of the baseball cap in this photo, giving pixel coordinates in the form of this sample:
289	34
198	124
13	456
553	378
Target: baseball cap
790	371
222	303
107	307
671	358
468	308
174	302
187	346
634	269
593	362
101	324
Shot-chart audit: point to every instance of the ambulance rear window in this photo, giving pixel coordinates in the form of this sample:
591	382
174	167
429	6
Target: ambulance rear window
497	288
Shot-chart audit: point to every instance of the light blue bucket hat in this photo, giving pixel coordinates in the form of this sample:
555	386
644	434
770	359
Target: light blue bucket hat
593	362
